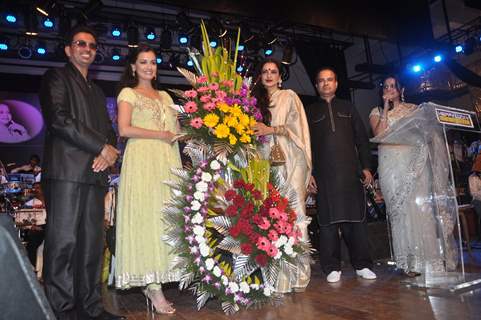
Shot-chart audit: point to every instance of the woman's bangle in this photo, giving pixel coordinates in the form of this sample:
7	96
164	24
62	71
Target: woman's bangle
280	131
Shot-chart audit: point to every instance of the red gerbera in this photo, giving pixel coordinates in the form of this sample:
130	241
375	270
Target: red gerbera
246	248
261	259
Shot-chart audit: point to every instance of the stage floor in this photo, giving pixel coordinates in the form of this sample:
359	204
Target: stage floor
350	299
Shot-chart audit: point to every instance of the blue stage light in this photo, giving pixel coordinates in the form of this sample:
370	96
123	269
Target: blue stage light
116	54
116	32
241	47
41	50
190	63
268	52
240	69
150	36
3	46
47	23
416	68
159	60
459	48
183	39
11	18
213	43
438	58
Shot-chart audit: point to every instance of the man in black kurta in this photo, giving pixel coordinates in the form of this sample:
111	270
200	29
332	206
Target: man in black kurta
79	147
341	159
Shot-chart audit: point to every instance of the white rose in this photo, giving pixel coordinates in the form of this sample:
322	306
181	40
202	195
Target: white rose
234	287
195	205
255	286
201	186
207	177
291	241
216	177
217	272
194	250
288	249
209	264
198	230
215	165
244	287
197	218
267	291
200	239
281	241
204	249
278	255
199	196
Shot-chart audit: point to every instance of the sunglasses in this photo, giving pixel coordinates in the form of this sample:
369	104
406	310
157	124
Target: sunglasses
84	44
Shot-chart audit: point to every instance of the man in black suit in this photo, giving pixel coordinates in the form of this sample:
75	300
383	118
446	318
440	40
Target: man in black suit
79	147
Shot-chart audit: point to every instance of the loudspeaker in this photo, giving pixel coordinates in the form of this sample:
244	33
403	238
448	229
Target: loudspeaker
21	296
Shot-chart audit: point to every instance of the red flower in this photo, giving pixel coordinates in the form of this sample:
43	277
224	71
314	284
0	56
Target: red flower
239	201
230	194
249	187
272	251
257	194
261	260
239	183
257	219
234	231
231	211
273	236
253	237
246	248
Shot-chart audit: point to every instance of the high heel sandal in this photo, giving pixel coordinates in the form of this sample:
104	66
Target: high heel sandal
152	309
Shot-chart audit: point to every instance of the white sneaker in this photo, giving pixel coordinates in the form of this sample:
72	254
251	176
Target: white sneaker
366	273
333	276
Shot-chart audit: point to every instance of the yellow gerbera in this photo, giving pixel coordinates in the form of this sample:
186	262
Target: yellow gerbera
232	139
222	131
245	138
231	121
211	120
252	121
244	119
240	129
235	110
224	107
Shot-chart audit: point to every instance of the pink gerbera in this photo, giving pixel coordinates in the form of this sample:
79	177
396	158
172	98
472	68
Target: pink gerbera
209	106
190	93
196	122
190	107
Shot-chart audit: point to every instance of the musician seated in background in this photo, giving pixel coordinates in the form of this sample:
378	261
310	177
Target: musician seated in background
35	234
31	167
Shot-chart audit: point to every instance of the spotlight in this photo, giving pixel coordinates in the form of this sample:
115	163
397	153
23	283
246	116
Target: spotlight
47	23
416	68
11	18
3	44
31	23
25	52
190	63
213	43
46	7
150	34
116	54
438	58
459	48
41	48
268	51
241	47
240	69
183	39
166	39
132	36
116	33
159	60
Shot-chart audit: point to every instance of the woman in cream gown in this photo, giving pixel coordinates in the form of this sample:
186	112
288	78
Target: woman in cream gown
284	118
142	259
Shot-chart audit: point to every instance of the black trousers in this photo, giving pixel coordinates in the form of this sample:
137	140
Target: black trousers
355	236
73	248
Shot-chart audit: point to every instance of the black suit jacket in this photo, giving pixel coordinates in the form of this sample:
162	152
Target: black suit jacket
78	126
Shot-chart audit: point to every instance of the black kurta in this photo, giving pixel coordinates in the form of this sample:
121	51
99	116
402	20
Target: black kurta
340	150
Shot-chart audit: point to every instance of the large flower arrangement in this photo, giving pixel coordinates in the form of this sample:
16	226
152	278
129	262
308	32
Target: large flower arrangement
232	231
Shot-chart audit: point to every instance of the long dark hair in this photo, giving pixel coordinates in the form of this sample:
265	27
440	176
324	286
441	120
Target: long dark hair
260	92
128	79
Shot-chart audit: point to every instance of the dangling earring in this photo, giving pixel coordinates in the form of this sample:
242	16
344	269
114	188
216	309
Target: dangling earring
279	84
133	73
402	95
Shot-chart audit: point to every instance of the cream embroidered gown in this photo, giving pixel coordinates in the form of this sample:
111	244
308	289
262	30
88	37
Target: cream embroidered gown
404	182
142	257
